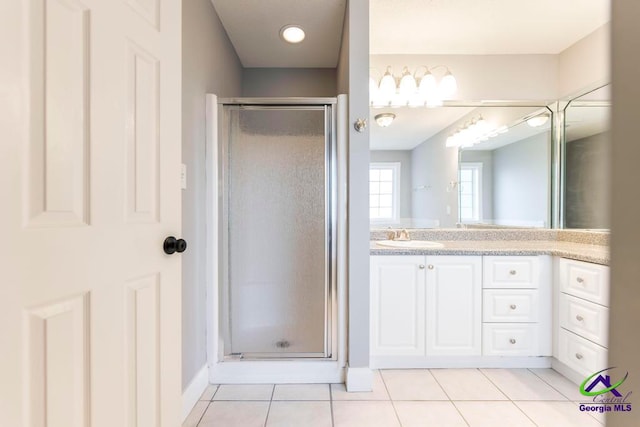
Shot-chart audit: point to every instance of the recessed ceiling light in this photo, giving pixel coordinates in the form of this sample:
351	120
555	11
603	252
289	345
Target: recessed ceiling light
292	33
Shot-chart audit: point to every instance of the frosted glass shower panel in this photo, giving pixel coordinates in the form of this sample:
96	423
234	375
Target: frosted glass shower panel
278	230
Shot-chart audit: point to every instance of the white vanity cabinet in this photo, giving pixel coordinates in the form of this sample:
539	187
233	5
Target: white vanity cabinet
460	311
426	305
583	316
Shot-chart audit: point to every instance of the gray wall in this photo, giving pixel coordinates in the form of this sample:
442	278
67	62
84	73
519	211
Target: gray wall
521	181
404	158
304	82
587	182
435	166
209	65
486	158
354	65
624	345
585	62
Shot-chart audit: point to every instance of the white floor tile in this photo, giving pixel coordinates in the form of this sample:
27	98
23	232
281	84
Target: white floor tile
244	392
339	392
235	414
209	392
412	384
364	414
421	414
301	392
493	414
467	384
522	384
195	415
557	414
297	414
563	385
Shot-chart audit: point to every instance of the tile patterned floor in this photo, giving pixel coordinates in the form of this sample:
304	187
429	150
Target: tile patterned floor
403	398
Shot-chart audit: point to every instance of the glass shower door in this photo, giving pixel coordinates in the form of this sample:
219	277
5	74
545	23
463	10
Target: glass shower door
279	228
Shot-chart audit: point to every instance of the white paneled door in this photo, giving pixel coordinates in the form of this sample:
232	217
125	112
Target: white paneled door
89	189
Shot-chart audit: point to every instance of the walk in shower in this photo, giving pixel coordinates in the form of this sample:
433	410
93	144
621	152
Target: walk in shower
277	228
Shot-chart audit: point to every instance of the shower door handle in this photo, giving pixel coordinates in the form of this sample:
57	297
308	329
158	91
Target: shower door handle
172	245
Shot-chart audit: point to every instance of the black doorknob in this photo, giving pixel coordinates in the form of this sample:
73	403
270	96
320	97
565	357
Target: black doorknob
172	245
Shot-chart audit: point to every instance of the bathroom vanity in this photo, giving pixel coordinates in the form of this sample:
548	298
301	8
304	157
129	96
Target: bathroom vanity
491	301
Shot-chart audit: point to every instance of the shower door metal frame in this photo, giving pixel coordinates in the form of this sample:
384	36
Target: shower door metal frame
328	105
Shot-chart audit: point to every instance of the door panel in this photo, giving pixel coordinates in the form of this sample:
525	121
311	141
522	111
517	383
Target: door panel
397	305
279	224
454	305
90	189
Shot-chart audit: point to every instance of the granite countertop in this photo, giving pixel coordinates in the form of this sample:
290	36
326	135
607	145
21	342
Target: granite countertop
598	254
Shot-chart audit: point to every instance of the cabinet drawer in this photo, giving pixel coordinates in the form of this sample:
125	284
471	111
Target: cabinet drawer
584	318
517	339
580	354
585	280
510	305
510	272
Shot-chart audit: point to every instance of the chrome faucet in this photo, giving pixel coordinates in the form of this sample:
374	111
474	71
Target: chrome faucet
402	235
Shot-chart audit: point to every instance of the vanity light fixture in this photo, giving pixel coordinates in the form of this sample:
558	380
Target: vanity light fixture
292	33
384	119
474	132
537	121
417	89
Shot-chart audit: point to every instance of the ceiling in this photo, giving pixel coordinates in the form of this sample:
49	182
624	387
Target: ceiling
254	27
472	27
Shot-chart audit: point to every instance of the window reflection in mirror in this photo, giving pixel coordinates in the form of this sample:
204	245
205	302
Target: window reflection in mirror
587	150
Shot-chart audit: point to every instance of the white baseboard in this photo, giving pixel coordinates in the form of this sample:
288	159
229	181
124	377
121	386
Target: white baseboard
359	379
194	390
419	362
275	372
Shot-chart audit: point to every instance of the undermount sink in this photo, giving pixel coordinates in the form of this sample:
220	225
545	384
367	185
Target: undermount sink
409	244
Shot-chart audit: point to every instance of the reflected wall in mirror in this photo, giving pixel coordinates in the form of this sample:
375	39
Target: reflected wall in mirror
504	180
587	151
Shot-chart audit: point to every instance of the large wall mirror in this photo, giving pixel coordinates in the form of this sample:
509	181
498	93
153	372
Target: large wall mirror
586	166
462	165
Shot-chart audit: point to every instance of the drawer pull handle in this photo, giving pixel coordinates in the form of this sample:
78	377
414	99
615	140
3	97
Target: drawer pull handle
579	280
512	340
512	306
430	267
578	356
579	318
513	272
421	266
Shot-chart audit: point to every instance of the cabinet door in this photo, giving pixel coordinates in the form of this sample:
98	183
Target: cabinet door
454	305
397	305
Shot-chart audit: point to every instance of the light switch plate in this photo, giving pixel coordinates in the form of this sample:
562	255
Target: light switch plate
183	177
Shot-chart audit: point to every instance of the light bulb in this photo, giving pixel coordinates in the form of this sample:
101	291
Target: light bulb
428	86
416	100
407	84
448	85
387	86
398	100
